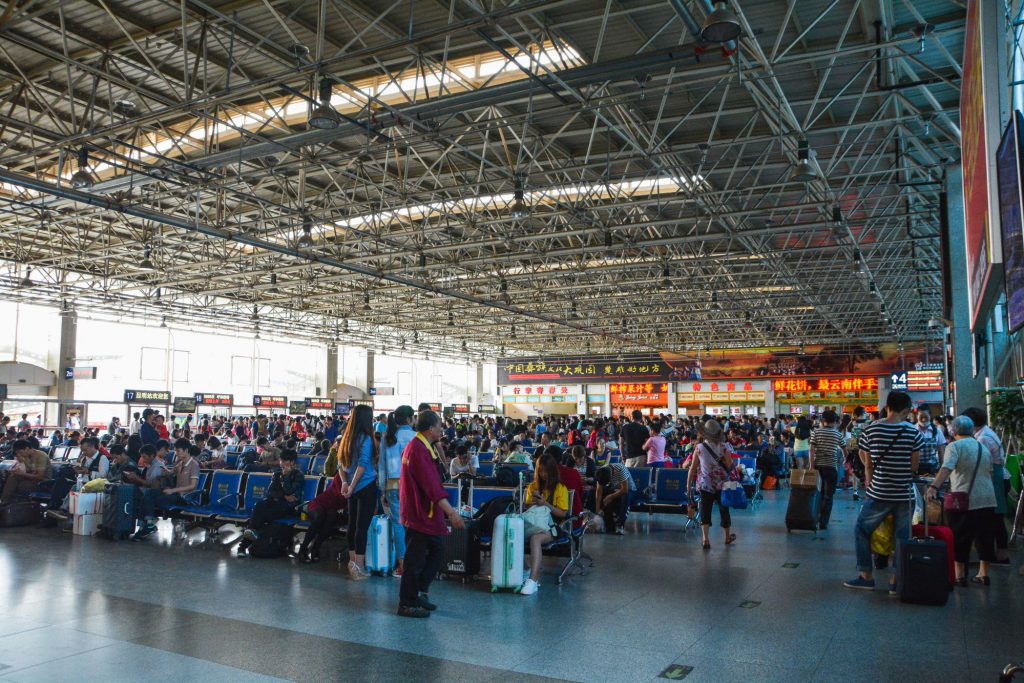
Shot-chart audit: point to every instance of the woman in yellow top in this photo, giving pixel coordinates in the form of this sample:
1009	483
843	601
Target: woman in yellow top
545	491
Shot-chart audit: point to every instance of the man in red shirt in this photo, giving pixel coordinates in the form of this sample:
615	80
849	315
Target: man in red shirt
422	500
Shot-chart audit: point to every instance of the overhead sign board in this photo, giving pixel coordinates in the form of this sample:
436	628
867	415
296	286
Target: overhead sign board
342	409
146	396
486	410
460	408
898	380
436	407
184	404
924	380
80	373
261	401
215	399
296	407
382	391
319	403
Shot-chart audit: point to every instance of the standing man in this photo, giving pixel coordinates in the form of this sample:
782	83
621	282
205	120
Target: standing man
826	450
634	435
421	498
890	449
136	424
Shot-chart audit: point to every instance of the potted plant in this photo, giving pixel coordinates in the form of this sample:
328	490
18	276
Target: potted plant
1006	414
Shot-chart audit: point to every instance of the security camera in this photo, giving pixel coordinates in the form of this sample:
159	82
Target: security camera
936	323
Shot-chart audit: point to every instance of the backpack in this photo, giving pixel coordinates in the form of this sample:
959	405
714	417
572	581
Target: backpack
506	477
273	542
490	511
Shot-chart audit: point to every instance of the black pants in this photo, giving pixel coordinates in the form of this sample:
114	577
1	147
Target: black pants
829	479
321	524
267	511
63	482
999	523
423	555
973	527
707	504
362	507
614	514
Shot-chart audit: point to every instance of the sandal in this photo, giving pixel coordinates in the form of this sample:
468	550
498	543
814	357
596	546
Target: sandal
706	545
962	582
731	539
982	580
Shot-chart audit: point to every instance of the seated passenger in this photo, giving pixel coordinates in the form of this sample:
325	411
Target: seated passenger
582	463
33	467
283	495
121	465
548	494
268	457
325	513
462	462
91	464
611	499
214	453
186	478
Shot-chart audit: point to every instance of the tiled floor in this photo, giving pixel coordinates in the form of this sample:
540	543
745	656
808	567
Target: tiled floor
74	608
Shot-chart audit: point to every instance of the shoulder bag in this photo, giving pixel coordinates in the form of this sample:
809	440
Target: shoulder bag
960	501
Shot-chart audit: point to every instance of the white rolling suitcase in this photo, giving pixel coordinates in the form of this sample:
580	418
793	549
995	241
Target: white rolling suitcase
508	548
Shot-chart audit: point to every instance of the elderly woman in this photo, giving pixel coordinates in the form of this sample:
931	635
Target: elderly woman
968	467
713	462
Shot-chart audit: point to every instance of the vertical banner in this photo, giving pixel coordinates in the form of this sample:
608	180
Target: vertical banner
981	235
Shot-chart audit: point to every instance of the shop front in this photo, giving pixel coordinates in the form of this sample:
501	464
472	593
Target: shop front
650	398
523	402
811	396
729	397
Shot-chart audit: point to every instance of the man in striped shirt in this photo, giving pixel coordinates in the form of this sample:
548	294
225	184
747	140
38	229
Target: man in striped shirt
890	449
826	452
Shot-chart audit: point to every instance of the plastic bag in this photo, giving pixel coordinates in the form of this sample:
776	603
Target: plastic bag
95	486
882	541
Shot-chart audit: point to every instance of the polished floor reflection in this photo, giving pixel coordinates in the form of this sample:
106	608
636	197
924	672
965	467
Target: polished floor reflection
770	608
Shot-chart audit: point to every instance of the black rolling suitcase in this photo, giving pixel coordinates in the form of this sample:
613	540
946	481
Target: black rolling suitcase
803	509
922	569
462	551
118	512
20	514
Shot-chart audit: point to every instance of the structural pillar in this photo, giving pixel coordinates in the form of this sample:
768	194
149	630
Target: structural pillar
968	389
331	388
66	359
479	383
370	357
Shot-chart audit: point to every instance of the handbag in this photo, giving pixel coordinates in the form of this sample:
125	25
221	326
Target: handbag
537	520
960	501
733	496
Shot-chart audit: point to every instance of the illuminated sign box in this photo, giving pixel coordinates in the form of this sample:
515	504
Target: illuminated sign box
924	380
261	401
826	384
319	403
215	399
460	408
146	396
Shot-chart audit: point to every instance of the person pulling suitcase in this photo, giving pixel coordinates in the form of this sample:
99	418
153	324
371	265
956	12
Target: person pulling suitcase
890	449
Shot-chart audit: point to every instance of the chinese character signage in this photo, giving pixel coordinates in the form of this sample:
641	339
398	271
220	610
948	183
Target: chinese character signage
145	396
319	403
826	384
270	401
924	380
460	408
854	360
215	399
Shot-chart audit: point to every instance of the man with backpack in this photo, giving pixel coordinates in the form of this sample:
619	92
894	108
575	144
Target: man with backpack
634	436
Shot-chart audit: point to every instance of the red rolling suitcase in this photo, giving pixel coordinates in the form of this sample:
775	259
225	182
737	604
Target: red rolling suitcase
940	533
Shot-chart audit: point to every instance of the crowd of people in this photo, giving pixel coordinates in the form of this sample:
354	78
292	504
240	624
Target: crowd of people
397	463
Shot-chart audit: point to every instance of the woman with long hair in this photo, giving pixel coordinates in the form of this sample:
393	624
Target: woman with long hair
546	491
396	437
357	460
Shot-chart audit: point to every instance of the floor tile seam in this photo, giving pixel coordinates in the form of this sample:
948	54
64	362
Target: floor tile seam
7	672
30	628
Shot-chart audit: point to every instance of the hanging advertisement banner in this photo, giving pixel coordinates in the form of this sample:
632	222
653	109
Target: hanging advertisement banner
852	360
981	228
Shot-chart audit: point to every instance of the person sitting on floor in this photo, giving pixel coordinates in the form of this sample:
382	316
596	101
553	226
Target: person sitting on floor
548	501
283	495
611	499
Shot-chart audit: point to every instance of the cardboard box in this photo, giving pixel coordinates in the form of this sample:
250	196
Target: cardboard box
86	525
85	503
805	479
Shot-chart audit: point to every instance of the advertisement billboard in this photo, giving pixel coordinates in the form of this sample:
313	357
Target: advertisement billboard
1009	163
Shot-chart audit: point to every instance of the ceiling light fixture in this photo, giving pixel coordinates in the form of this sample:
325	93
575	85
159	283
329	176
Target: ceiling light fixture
146	261
306	239
163	321
26	282
324	116
858	264
519	207
273	284
802	171
721	26
366	301
82	178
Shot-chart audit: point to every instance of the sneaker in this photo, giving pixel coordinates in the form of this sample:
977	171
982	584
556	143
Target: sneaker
413	611
620	532
424	602
57	515
529	587
860	583
894	591
397	572
144	531
856	496
356	572
249	535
